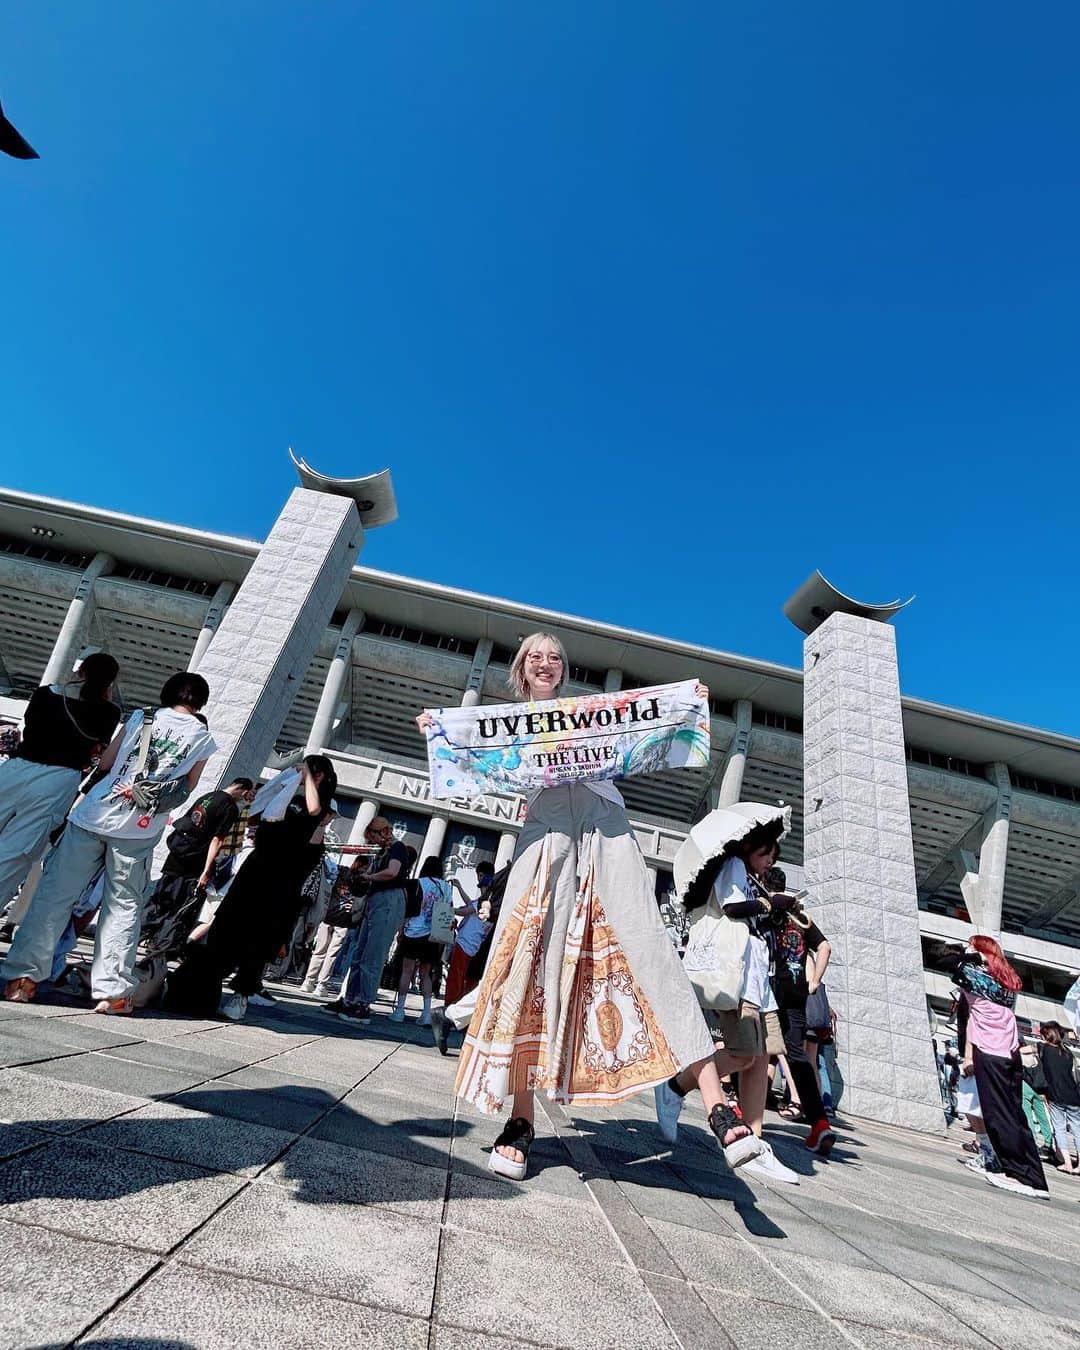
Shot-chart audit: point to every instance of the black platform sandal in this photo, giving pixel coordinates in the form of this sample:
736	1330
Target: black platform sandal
723	1119
517	1133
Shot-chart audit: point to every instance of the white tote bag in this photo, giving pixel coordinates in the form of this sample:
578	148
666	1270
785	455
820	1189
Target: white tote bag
442	913
715	957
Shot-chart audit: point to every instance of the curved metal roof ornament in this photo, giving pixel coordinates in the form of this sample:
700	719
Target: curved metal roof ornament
373	495
817	598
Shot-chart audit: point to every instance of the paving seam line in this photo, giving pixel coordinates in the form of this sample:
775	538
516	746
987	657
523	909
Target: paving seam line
759	1255
565	1129
854	1242
950	1311
49	1138
443	1213
171	1256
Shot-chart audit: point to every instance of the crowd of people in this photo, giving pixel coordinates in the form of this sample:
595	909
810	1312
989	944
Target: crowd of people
561	971
1021	1101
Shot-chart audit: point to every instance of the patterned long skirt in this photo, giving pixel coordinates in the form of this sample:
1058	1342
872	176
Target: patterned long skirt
584	996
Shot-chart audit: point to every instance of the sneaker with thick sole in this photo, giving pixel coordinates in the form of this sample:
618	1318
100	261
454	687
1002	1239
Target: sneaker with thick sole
262	1000
336	1006
976	1163
768	1167
322	991
1002	1182
669	1107
309	987
357	1012
725	1119
234	1007
821	1138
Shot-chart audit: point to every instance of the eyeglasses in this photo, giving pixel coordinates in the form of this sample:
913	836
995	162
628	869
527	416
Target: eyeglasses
536	658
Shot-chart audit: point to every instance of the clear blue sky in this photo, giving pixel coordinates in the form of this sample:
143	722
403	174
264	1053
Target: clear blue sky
651	308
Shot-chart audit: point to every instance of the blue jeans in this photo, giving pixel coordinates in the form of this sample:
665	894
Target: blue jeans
1065	1120
382	919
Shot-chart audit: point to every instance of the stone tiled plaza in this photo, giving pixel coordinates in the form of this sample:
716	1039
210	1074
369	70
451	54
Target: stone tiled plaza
295	1181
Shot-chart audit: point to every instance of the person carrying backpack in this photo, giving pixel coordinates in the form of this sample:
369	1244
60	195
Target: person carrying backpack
153	763
195	845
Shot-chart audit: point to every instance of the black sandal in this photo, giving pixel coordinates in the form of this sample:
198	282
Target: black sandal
517	1133
724	1118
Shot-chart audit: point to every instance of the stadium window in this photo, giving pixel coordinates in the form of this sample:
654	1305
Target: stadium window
916	754
1045	787
779	721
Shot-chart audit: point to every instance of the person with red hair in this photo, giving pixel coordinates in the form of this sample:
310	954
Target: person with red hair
986	1024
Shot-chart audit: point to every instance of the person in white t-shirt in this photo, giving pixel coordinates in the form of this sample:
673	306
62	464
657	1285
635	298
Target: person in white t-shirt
109	827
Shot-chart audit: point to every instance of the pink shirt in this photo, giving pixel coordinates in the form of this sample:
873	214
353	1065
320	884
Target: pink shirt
991	1027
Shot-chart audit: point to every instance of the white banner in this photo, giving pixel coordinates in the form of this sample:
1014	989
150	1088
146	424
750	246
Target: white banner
516	747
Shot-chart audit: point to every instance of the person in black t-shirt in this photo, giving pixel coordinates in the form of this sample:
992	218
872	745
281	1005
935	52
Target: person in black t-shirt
194	845
1057	1080
262	903
198	836
796	942
66	729
382	918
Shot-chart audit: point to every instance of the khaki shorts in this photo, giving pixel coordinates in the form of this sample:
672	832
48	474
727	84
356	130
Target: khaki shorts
748	1032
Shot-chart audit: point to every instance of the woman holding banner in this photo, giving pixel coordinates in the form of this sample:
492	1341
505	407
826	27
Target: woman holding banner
583	996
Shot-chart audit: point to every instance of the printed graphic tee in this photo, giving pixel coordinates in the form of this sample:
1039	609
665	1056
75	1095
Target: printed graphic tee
177	743
212	817
792	944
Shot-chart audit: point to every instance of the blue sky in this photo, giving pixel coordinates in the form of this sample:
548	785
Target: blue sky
650	308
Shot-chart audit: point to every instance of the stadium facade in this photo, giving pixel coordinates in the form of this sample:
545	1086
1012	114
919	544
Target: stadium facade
304	648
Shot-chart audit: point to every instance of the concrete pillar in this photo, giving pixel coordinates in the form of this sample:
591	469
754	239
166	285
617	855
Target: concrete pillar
983	884
322	725
475	684
365	814
505	851
612	680
993	855
73	630
272	629
215	612
434	839
731	782
860	870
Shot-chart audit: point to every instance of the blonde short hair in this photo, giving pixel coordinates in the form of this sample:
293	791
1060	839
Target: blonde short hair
517	681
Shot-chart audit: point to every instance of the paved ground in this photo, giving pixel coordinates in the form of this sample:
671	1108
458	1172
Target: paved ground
294	1181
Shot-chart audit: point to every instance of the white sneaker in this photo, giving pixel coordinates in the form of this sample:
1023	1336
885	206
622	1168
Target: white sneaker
262	1001
234	1007
976	1163
669	1107
1007	1183
398	1015
768	1167
309	987
322	991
